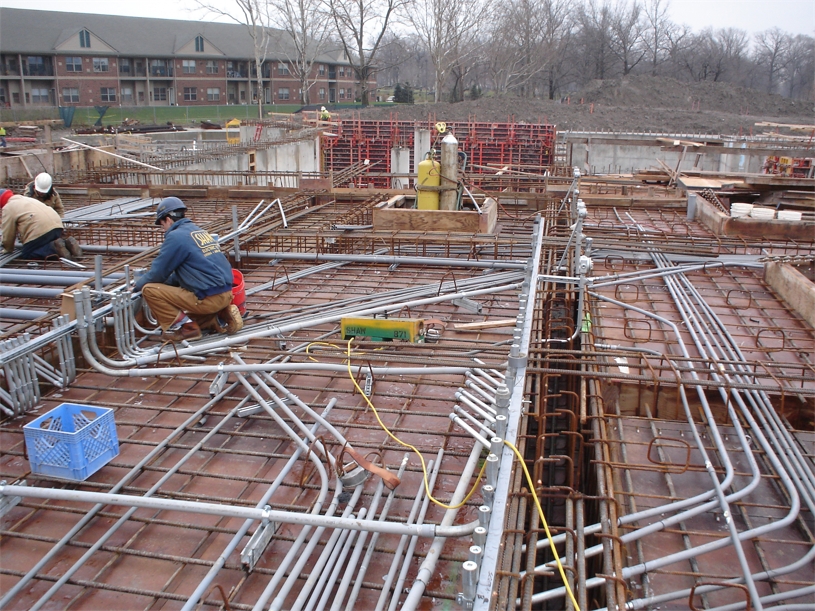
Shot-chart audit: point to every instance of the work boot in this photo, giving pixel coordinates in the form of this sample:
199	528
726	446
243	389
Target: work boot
230	320
61	250
188	332
73	247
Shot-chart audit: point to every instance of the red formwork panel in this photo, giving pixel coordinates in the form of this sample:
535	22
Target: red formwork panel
488	145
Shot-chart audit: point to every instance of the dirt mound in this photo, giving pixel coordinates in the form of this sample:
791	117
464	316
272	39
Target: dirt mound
663	92
637	104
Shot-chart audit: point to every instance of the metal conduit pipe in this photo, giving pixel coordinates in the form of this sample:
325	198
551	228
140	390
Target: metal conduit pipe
273	330
352	563
228	511
433	466
21	314
363	568
279	600
337	565
428	566
759	401
29	292
65	576
392	259
129	476
406	563
204	585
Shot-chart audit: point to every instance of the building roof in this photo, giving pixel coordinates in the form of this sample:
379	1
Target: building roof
42	32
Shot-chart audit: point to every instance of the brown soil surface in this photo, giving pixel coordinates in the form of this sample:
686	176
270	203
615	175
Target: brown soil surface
635	104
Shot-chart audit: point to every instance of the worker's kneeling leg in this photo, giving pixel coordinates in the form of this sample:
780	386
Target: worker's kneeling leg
167	302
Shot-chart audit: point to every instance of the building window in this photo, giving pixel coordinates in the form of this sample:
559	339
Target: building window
342	71
85	39
127	94
282	68
160	94
322	93
188	66
100	64
39	95
321	70
108	94
73	64
124	66
213	94
2	95
342	93
283	93
190	94
70	95
212	67
199	44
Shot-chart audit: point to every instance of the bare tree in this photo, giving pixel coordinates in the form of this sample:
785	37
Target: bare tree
361	26
307	25
626	35
449	30
799	68
659	36
594	19
770	51
254	15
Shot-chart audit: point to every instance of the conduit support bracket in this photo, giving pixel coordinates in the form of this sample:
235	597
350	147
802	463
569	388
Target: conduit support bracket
468	304
257	544
7	503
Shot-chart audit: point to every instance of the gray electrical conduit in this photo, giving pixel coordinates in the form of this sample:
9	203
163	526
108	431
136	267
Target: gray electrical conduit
428	566
360	545
317	570
723	455
204	584
680	555
406	564
270	330
363	568
135	471
66	575
433	466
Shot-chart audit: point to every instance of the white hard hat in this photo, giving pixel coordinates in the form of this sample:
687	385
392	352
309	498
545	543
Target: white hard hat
322	108
42	183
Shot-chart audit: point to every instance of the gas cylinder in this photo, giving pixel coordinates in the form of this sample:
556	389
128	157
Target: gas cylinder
429	176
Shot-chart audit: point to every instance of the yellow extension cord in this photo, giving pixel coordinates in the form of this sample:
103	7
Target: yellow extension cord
475	485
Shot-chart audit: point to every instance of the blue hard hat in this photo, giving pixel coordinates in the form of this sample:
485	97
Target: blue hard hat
167	206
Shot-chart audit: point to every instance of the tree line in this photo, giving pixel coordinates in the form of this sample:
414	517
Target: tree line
531	48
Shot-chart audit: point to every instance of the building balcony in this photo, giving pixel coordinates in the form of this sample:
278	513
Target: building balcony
38	71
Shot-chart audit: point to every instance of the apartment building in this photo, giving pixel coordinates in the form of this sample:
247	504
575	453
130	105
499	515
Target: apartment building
50	58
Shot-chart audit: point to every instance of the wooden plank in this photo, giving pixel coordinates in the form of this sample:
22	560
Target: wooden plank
486	324
390	218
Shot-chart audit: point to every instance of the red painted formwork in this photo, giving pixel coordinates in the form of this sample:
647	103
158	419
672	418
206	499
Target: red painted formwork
488	146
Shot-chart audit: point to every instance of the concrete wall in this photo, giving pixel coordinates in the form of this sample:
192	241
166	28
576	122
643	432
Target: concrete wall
793	287
14	167
597	154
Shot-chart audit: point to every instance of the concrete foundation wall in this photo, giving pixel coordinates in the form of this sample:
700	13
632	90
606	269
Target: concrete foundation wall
599	156
793	287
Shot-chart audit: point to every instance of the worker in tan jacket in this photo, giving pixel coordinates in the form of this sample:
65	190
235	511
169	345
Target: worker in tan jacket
38	226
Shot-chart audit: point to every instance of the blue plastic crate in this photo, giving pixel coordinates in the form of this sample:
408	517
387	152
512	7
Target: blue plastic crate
71	441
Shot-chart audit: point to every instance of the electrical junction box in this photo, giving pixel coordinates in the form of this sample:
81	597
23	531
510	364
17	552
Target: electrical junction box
384	329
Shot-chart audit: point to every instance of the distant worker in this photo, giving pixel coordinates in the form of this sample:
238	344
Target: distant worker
2	136
42	188
189	284
39	227
324	114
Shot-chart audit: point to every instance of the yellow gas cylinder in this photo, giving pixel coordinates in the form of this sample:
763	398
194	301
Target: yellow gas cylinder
429	176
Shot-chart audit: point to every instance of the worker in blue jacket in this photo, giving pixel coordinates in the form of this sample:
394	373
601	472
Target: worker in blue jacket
189	284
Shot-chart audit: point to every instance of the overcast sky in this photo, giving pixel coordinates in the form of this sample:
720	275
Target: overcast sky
795	16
